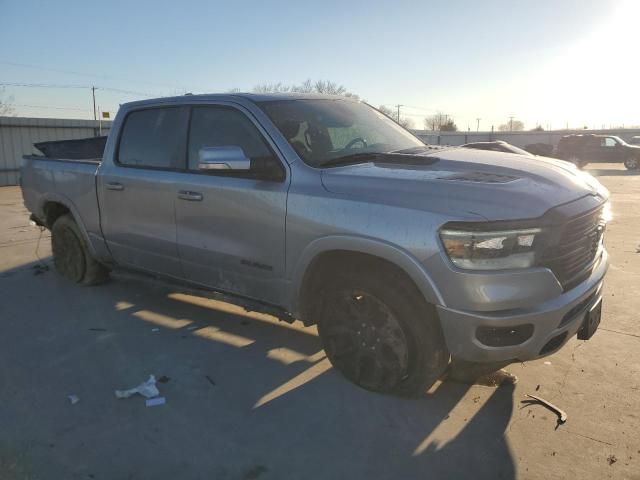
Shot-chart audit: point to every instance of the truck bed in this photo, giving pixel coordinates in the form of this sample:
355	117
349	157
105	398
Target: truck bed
71	182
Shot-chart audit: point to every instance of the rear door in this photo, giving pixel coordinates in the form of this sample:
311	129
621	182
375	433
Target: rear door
231	228
138	190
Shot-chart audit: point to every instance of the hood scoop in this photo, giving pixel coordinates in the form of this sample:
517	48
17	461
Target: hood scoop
479	177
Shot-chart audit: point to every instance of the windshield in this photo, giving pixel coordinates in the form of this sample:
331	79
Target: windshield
619	140
327	129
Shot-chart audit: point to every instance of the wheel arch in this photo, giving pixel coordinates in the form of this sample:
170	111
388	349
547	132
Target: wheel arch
53	206
330	253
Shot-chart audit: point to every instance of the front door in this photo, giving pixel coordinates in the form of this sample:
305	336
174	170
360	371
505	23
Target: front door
138	191
610	150
231	225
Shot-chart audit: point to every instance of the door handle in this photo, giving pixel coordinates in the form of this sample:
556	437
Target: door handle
114	186
190	196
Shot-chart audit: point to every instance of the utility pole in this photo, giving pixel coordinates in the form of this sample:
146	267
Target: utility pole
398	107
93	93
478	124
511	124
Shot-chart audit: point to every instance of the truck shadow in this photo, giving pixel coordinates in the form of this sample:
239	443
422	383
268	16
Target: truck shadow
245	380
608	172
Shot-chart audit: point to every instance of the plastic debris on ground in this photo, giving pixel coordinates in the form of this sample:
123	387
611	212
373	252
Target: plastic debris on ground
147	389
562	416
154	402
155	329
73	399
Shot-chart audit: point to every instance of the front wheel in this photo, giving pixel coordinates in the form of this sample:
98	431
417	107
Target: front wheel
632	163
71	256
380	333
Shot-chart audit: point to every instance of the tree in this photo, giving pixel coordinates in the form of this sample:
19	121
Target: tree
323	87
6	109
437	121
512	126
271	88
449	127
404	121
538	129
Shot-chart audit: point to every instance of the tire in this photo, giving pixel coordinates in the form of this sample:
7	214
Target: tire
577	162
71	256
632	163
379	332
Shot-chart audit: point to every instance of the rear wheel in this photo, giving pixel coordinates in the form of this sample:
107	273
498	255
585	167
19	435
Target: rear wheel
632	163
71	256
380	333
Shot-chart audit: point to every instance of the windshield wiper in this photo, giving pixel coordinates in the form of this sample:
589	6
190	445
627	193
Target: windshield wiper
418	149
352	158
382	157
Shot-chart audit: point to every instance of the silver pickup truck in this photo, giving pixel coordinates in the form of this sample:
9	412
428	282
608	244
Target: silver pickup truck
325	210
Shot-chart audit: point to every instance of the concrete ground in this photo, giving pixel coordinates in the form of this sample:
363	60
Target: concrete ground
250	398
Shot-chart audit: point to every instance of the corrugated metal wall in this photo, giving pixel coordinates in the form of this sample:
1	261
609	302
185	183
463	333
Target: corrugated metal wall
18	134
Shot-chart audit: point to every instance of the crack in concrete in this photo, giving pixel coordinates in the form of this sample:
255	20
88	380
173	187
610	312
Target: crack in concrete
618	332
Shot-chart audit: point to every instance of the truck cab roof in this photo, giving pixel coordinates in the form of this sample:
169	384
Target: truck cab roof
253	97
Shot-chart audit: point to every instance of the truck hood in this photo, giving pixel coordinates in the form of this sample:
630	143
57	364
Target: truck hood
466	183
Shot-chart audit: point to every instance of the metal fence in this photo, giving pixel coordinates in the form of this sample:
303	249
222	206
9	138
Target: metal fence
519	139
18	134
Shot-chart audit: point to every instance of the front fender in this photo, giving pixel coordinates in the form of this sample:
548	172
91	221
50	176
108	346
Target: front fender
386	251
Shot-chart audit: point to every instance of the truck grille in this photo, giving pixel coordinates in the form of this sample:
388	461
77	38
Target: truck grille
574	254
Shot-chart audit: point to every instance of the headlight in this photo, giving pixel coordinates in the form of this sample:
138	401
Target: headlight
491	250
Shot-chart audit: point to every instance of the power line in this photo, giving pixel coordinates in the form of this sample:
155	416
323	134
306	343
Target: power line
50	107
51	85
40	85
95	75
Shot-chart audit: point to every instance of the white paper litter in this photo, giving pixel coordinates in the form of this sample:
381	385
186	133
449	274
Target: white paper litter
73	399
155	329
154	402
147	389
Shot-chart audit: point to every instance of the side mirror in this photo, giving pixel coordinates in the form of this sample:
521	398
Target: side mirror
223	158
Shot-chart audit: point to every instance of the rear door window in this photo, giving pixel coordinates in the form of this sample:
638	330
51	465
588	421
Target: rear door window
154	138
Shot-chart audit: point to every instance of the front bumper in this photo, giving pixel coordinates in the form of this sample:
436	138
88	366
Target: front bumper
554	323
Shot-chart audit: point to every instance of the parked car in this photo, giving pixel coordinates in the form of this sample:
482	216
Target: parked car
323	209
635	140
497	146
583	149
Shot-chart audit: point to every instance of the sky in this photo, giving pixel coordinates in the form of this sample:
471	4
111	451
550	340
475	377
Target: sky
549	62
